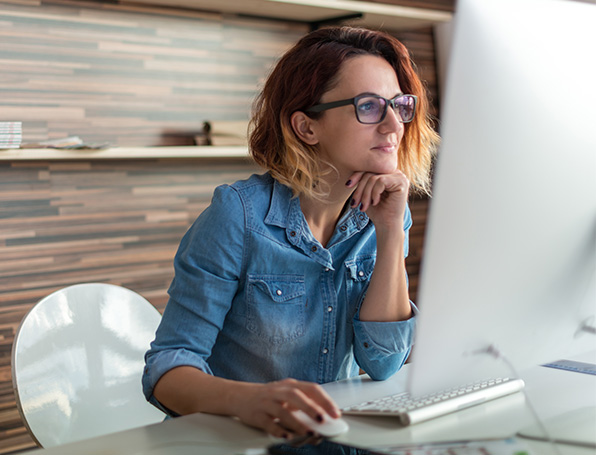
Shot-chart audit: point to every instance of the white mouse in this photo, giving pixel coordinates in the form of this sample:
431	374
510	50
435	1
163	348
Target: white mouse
329	427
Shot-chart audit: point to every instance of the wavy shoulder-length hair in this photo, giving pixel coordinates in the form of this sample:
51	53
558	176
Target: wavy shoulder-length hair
299	80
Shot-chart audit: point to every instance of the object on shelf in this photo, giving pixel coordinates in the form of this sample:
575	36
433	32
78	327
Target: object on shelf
69	143
226	133
201	139
11	135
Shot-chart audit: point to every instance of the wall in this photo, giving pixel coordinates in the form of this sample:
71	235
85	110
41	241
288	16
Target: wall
128	76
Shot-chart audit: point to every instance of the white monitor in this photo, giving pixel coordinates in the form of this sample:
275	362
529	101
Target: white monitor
510	252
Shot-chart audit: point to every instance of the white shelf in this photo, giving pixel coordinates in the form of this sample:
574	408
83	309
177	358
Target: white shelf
374	15
124	153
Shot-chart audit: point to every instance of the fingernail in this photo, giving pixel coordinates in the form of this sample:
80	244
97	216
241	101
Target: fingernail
310	433
349	182
353	203
285	436
319	418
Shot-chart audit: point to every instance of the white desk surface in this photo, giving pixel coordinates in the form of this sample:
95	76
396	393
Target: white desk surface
551	391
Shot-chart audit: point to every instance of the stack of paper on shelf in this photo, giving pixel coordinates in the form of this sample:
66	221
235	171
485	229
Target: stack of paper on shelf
68	143
11	135
226	133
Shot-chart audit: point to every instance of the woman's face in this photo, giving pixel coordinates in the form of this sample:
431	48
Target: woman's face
347	144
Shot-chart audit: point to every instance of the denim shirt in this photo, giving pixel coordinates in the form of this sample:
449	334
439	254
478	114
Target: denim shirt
257	298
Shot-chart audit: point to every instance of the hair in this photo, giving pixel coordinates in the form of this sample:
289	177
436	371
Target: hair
299	80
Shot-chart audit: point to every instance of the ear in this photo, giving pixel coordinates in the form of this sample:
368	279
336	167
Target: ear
302	125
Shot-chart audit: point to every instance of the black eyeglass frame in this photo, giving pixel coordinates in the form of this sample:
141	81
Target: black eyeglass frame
354	101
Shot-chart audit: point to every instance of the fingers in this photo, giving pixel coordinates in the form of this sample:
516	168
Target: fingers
371	189
277	401
309	397
278	422
354	179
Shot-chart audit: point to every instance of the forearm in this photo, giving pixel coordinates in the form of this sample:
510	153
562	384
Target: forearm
186	390
387	297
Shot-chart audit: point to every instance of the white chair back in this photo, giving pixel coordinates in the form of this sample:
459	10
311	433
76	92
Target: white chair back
77	363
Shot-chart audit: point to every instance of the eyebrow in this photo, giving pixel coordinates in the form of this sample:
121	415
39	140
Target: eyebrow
376	94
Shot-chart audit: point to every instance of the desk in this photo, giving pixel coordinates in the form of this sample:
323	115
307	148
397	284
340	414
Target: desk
551	391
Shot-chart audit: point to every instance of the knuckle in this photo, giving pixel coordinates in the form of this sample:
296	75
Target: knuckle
294	393
275	430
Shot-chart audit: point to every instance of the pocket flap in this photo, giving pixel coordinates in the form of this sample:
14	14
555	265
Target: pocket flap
279	288
361	268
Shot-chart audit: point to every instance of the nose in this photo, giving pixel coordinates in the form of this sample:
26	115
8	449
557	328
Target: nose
391	123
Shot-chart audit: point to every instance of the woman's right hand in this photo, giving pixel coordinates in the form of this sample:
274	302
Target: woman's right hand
185	390
269	406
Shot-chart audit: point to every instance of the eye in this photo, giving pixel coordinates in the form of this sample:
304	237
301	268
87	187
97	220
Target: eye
368	106
405	108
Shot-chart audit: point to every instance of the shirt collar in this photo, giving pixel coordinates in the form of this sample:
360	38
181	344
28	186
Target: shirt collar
285	211
282	205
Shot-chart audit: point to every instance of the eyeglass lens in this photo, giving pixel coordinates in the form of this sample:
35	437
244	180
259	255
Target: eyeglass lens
370	109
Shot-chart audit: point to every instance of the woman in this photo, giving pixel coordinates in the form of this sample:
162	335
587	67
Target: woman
297	277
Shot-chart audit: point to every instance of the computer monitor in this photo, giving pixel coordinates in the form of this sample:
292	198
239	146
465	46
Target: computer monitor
510	253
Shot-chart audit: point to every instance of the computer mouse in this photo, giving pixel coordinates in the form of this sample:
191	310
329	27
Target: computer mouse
329	427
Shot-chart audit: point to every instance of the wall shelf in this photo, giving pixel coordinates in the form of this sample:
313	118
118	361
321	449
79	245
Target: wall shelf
373	15
124	153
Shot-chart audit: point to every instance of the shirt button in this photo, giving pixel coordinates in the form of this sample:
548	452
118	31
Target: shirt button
365	345
314	248
278	292
293	234
361	273
343	228
361	217
325	351
329	309
326	269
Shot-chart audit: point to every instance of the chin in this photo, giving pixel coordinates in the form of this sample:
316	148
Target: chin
383	168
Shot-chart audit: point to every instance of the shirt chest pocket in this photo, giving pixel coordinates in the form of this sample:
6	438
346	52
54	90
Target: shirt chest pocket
358	273
276	307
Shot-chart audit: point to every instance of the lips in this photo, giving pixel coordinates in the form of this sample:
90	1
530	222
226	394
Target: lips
387	147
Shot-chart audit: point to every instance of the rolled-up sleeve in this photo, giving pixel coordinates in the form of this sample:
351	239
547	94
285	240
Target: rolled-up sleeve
207	266
381	348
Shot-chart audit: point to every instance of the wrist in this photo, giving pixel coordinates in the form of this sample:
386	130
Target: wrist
238	396
390	234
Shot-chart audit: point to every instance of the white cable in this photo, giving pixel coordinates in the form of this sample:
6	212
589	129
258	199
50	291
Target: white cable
494	352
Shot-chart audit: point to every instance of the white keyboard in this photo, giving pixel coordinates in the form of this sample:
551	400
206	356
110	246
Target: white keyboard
414	410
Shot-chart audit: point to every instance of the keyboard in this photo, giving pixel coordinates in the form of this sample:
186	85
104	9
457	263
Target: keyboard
411	410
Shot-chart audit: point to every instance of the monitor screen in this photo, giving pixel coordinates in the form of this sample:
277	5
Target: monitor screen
510	251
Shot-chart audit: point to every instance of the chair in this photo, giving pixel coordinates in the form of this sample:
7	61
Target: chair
77	362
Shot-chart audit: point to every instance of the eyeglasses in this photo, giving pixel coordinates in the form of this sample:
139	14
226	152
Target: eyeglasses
371	109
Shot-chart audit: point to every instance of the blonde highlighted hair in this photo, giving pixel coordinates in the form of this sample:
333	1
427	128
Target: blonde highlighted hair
299	80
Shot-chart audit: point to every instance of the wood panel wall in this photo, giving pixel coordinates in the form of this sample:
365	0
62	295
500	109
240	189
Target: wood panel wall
130	75
127	76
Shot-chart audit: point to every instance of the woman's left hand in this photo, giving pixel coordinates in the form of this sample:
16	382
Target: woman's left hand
382	196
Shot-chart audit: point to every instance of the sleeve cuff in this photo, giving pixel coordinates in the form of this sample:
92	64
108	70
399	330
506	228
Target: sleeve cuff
160	363
382	339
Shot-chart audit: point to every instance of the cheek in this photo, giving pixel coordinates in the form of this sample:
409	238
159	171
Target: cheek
400	133
338	135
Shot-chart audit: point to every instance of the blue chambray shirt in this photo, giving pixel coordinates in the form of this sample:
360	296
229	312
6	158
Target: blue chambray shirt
257	298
